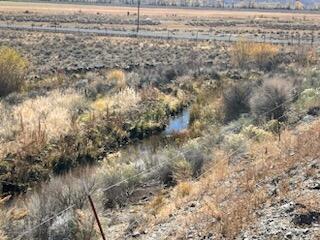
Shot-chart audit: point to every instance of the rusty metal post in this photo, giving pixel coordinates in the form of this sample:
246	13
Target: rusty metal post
95	212
97	217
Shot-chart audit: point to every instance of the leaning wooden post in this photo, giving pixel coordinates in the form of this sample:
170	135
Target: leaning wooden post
95	212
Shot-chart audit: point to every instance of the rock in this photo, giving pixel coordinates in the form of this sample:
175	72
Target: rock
289	235
315	111
308	119
135	234
288	207
312	185
306	218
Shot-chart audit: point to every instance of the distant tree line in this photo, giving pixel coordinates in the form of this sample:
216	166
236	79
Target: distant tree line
261	4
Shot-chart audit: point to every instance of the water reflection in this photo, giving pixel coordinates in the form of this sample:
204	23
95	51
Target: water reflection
178	123
151	144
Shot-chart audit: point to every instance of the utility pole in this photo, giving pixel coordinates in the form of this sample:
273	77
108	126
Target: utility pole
138	20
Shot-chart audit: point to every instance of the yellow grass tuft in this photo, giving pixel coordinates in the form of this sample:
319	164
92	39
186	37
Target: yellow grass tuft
244	52
118	78
183	189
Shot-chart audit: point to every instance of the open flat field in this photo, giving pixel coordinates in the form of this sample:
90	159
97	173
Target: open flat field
287	26
164	12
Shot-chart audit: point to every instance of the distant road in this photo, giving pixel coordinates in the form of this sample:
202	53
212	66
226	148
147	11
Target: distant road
192	36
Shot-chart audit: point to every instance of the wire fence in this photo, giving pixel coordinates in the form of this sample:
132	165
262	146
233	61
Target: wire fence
288	39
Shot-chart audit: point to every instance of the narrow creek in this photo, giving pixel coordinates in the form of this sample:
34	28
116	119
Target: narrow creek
177	124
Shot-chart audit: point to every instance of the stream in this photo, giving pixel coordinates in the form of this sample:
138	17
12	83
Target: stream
177	124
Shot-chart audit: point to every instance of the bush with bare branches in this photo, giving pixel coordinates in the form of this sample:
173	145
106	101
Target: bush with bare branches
271	100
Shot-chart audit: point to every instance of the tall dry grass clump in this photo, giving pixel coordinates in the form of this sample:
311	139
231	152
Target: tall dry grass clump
38	120
118	78
261	54
120	102
13	69
124	100
54	111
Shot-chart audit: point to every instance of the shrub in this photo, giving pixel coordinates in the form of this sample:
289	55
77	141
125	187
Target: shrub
7	129
306	56
273	126
111	175
55	196
236	101
196	160
255	133
77	225
182	170
180	166
183	189
270	101
309	99
235	143
124	100
264	54
241	51
13	69
261	54
312	79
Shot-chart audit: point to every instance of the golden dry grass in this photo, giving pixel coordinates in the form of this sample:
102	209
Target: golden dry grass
244	52
121	102
118	78
71	8
38	120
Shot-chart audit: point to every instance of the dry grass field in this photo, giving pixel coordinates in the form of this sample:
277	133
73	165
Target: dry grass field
150	12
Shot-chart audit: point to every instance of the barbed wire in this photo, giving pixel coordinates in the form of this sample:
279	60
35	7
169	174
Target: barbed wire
45	221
